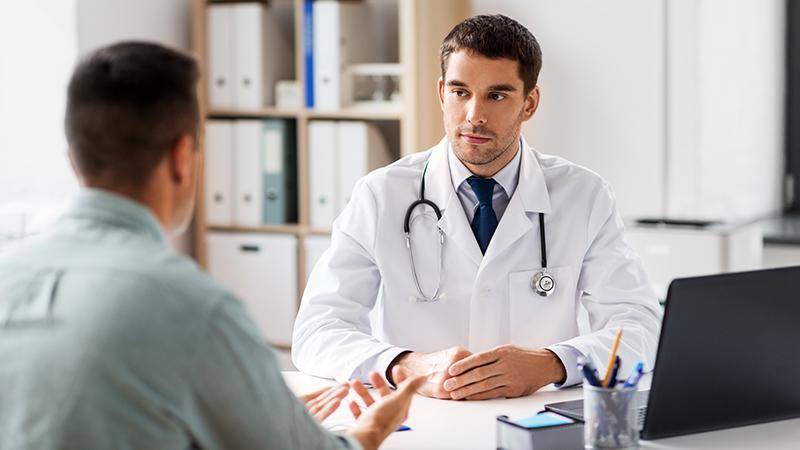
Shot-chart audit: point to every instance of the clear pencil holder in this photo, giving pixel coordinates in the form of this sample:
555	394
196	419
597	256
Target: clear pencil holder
611	418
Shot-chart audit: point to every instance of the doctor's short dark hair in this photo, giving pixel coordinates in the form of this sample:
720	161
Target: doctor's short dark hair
496	36
128	104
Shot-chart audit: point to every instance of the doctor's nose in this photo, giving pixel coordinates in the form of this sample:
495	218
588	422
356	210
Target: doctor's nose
475	113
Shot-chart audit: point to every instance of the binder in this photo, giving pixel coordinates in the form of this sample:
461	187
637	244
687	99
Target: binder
261	270
218	168
322	165
338	41
262	53
279	159
308	50
246	175
220	56
360	149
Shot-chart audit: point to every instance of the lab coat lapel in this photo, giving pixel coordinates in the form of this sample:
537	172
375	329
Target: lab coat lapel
453	223
529	199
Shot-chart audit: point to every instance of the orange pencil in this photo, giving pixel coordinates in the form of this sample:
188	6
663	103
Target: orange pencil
610	368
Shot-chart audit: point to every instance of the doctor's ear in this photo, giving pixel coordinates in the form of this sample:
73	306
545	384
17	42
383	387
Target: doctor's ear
531	103
440	86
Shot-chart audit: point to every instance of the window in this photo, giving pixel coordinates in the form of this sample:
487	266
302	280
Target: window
38	50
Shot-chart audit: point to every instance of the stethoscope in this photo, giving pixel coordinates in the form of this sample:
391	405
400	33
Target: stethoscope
542	282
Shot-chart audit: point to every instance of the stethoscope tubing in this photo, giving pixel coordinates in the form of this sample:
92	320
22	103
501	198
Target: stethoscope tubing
536	281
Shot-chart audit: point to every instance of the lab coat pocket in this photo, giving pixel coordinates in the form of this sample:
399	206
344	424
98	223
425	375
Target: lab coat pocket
538	321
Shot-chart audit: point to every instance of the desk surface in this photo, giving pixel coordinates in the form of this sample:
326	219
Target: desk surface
445	424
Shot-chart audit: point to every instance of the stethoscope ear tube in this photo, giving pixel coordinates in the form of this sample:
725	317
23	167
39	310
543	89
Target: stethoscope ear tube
422	201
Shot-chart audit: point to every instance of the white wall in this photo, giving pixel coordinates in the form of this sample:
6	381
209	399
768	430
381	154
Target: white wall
726	60
677	103
101	22
37	50
602	87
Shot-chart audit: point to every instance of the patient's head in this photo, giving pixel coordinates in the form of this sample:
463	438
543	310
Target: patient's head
132	122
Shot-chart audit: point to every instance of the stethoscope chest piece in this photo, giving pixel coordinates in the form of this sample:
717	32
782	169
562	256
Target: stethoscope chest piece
543	284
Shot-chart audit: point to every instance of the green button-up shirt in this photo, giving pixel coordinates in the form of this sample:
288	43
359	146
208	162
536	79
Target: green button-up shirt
108	339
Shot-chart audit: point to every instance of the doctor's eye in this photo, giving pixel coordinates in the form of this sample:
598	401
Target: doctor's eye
496	96
460	92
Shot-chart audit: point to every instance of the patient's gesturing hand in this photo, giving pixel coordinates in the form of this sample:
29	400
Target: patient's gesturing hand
385	414
324	402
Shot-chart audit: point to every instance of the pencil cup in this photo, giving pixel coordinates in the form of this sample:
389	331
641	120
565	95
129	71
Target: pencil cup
611	418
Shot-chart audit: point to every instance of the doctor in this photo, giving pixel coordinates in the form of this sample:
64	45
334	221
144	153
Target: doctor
505	246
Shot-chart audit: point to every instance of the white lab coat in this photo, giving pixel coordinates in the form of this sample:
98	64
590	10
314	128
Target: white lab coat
358	312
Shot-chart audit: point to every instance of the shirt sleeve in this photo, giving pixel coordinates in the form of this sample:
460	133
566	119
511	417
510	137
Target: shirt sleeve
569	358
241	400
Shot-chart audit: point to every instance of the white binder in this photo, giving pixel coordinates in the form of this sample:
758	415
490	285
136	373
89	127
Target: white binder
262	49
314	247
323	162
220	56
338	41
218	170
261	270
360	148
247	172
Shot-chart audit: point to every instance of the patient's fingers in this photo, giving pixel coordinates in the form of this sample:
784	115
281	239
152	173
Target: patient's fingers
313	395
379	384
327	409
320	399
355	410
362	392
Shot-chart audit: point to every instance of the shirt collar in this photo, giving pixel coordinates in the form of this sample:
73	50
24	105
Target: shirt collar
115	210
507	177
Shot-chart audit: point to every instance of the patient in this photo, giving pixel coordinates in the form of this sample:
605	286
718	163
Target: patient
108	339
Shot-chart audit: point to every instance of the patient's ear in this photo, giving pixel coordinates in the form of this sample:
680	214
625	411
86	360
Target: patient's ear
182	160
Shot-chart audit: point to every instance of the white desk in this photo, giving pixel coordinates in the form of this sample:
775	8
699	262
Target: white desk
444	424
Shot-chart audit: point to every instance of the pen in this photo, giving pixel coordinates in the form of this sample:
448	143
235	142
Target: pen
612	359
614	372
589	372
633	380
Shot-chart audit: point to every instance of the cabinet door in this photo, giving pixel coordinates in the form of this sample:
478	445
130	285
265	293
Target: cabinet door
261	271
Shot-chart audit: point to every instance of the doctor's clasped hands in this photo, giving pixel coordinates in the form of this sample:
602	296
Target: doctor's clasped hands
504	371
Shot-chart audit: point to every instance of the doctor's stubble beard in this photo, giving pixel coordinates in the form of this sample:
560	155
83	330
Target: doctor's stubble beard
509	140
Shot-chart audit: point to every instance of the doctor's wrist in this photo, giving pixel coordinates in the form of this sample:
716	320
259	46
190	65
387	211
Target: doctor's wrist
396	361
557	369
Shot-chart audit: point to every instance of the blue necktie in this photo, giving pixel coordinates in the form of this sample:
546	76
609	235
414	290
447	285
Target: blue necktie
485	221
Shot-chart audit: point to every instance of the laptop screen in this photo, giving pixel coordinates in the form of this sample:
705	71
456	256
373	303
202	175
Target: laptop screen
727	354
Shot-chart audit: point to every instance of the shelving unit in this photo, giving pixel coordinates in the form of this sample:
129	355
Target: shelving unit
415	126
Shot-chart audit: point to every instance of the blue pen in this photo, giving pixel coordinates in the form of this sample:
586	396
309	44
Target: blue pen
589	372
614	372
633	380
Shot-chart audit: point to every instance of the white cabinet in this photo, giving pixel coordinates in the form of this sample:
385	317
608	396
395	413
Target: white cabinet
260	269
675	252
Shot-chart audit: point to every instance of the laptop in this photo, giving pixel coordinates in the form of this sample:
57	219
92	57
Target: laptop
727	355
